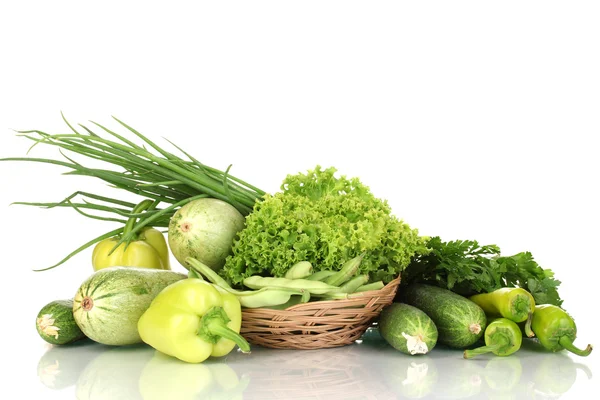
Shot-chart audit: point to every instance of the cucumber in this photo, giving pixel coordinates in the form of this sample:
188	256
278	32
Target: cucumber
56	325
460	322
408	329
109	303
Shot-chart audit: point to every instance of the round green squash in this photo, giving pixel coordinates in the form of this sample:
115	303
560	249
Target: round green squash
109	303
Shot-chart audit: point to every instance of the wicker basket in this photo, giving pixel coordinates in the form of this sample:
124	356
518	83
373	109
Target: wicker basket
316	324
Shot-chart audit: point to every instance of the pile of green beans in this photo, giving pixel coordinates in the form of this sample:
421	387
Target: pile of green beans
299	285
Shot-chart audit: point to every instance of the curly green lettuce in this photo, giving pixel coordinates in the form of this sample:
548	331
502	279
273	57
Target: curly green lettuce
325	220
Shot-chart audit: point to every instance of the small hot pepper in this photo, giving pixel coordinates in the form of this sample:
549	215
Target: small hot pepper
502	337
556	330
148	249
192	320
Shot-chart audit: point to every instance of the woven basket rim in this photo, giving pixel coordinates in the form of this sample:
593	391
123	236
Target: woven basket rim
317	324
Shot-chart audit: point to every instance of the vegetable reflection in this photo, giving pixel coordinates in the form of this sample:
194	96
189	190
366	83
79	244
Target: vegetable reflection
348	372
60	366
554	374
136	372
164	377
503	376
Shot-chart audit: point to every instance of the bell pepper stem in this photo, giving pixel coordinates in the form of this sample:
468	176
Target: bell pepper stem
528	331
214	327
567	343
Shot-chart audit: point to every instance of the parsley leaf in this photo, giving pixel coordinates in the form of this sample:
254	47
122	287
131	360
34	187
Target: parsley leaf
467	268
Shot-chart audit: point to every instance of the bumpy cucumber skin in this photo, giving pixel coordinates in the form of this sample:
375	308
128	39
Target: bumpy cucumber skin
56	325
398	318
456	317
119	296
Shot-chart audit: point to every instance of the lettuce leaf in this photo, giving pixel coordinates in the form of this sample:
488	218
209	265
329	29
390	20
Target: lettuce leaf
326	220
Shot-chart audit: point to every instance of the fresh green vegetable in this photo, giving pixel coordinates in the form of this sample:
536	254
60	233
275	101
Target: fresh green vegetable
293	300
313	287
408	329
347	271
264	297
467	268
459	321
502	337
326	221
555	329
193	320
144	169
204	229
110	302
55	323
371	286
300	270
147	249
516	304
321	275
353	284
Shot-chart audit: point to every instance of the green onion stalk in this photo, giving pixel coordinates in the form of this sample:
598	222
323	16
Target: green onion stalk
144	169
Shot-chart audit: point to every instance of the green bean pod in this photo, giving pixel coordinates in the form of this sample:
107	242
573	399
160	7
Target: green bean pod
370	286
299	270
502	337
320	275
294	300
268	298
354	283
514	303
555	329
314	287
348	271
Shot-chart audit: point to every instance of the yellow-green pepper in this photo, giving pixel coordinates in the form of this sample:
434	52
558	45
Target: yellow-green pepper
192	320
147	250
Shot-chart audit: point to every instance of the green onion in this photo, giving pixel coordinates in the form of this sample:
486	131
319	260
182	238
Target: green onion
144	169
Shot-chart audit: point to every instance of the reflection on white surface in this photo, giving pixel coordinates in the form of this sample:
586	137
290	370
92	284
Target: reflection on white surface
369	369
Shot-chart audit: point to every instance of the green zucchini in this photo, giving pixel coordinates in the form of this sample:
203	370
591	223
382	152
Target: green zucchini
56	325
109	303
408	329
460	322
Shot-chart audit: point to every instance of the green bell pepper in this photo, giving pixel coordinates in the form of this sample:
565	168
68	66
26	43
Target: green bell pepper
192	320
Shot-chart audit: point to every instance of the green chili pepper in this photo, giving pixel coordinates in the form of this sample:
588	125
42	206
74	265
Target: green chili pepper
502	337
555	329
514	303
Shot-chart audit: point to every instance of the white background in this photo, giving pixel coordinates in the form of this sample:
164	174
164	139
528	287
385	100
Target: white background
475	120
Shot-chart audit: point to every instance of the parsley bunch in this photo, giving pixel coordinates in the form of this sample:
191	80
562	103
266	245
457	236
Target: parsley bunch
467	268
